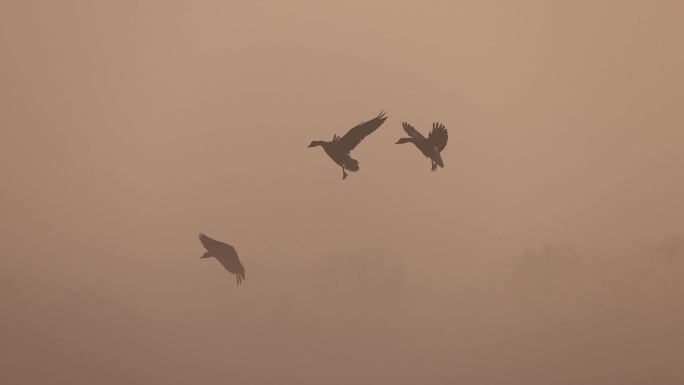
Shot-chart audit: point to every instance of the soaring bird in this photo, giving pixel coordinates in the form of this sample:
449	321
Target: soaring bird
225	254
338	149
431	146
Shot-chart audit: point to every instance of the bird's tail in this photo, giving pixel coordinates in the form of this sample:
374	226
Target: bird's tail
438	160
351	164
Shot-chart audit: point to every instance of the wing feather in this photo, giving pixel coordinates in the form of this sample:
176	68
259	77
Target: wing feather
438	136
352	138
412	132
216	247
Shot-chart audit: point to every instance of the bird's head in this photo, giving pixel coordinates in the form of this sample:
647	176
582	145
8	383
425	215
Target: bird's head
316	143
206	255
403	140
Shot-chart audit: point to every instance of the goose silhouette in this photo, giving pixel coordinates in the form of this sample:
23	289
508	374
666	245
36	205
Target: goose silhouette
225	254
339	148
431	146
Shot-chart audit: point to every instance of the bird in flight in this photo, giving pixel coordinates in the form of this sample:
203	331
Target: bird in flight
338	149
431	146
225	254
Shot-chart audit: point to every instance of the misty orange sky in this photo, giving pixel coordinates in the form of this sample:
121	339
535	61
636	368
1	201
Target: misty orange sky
549	250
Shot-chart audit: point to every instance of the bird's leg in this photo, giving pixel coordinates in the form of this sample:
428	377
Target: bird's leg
434	166
344	174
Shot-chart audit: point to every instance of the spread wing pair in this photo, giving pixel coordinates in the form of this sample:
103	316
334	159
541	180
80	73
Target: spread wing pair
437	137
431	146
339	148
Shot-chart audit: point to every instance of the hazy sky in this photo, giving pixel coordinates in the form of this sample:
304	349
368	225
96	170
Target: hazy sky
129	127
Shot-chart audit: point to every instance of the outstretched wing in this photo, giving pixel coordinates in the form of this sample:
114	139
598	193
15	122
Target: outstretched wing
215	247
352	138
438	136
412	131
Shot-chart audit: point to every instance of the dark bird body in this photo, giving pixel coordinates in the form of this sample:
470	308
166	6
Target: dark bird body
431	146
225	254
339	148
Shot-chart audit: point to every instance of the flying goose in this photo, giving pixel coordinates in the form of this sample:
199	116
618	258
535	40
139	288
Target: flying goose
431	146
225	254
338	149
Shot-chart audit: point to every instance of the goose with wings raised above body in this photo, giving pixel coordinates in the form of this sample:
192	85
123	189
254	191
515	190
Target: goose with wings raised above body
339	148
431	146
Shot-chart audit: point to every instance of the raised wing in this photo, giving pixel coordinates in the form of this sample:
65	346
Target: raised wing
412	131
215	247
352	138
438	136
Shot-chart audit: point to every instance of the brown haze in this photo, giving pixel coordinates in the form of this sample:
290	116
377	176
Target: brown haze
548	251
